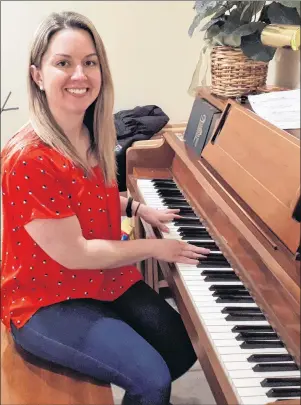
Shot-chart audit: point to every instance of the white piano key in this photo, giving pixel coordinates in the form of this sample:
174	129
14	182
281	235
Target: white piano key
228	342
230	366
238	350
223	336
252	382
196	282
228	328
232	358
252	374
255	391
260	400
197	271
209	308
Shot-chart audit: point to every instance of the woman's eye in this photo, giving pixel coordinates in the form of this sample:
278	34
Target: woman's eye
62	63
91	63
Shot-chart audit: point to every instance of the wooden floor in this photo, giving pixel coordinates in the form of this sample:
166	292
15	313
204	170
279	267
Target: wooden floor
28	381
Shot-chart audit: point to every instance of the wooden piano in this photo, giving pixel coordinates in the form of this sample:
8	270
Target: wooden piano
241	307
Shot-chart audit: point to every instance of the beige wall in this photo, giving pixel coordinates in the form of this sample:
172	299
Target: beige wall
151	55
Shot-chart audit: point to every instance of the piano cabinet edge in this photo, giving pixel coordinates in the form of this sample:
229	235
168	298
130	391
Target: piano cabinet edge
141	156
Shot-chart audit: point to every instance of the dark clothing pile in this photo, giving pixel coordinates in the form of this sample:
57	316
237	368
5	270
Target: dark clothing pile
138	124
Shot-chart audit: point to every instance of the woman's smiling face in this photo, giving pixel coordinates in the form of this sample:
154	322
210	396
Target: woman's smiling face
70	73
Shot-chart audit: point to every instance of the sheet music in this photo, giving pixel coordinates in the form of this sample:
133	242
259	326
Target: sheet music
281	108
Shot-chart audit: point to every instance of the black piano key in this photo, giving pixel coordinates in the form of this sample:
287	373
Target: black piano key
218	262
199	233
165	186
206	245
217	256
177	205
217	277
257	344
229	309
284	392
233	292
196	226
234	298
267	367
180	205
205	264
188	229
281	382
218	272
192	231
247	328
187	215
194	236
245	317
269	358
183	221
257	336
156	180
169	193
217	287
173	200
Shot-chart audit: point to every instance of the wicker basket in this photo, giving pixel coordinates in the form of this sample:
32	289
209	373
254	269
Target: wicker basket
234	74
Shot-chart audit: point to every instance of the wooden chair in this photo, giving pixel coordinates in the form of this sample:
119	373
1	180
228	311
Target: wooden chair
26	380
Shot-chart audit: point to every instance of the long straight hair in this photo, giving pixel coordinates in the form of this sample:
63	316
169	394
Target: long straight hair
99	115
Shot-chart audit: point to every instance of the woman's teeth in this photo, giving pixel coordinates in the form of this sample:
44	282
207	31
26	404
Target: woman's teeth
77	91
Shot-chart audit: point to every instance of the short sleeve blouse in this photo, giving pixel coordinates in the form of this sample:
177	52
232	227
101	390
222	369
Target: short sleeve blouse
42	183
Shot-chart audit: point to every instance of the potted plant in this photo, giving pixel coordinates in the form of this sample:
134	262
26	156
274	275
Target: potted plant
232	41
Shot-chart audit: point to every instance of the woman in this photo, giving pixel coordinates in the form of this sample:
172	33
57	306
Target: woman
69	292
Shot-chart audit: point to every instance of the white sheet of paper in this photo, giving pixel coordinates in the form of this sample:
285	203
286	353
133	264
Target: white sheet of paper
281	108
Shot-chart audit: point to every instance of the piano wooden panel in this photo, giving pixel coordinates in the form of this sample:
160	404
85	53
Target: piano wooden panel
262	165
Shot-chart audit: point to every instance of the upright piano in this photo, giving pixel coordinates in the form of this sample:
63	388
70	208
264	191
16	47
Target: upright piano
241	199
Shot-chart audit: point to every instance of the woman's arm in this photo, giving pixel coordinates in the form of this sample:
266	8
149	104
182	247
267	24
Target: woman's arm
63	241
123	204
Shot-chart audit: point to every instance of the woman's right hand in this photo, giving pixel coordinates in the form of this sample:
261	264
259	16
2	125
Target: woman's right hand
176	251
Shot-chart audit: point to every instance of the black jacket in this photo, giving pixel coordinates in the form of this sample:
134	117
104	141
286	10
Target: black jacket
138	124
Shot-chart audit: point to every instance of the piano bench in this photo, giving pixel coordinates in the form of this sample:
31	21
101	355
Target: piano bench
26	380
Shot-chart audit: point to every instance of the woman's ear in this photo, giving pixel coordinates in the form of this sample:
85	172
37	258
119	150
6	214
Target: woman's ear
36	76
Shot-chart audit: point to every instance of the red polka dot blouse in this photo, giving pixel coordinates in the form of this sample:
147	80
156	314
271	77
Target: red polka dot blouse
42	183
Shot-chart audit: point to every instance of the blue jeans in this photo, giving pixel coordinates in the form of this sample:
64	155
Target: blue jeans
137	342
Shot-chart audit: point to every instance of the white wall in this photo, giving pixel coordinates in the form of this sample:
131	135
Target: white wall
151	55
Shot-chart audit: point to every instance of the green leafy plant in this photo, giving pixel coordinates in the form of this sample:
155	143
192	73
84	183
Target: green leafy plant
240	23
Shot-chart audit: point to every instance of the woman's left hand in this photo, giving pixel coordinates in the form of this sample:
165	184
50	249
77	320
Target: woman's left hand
157	218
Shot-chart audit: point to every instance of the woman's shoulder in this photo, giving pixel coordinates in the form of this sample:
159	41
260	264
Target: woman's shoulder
26	147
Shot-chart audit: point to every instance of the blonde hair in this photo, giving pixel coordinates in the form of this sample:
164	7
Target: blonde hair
99	115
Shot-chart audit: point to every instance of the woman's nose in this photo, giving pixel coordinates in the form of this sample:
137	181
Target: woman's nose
79	73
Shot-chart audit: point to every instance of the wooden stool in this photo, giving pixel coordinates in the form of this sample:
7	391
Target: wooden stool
26	380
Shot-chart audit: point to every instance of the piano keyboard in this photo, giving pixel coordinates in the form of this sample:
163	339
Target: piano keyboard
255	359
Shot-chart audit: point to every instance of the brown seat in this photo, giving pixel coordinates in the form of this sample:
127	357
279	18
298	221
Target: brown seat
26	380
